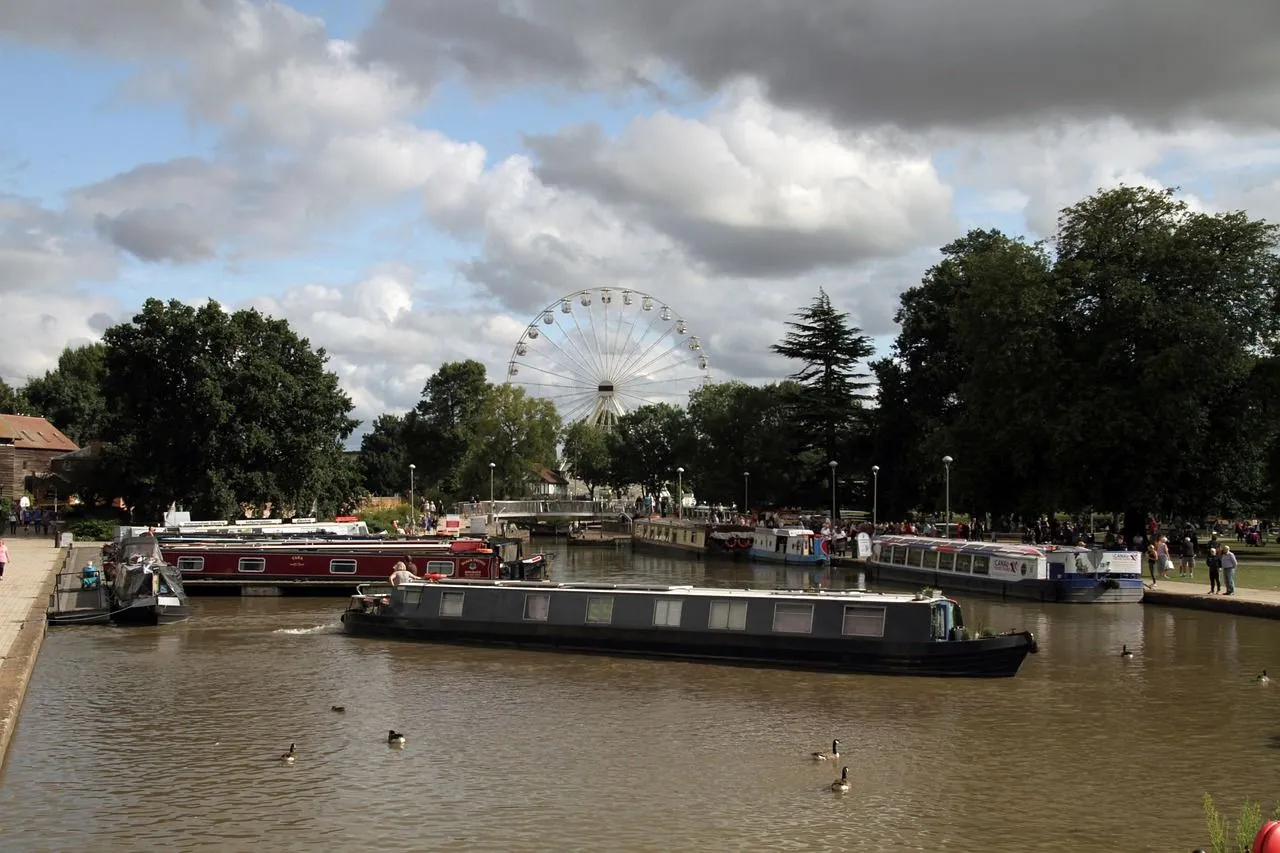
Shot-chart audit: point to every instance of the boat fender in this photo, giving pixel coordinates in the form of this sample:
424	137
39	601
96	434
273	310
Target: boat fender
1268	838
435	577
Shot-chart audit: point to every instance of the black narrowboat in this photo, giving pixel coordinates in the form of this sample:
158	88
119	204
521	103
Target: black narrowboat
843	631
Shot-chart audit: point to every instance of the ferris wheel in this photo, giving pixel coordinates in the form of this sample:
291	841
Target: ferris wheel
602	352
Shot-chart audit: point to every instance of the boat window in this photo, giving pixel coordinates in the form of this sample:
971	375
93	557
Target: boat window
600	609
451	603
931	559
666	612
412	595
863	621
191	564
537	606
964	563
728	615
981	564
897	554
915	557
947	561
793	618
440	567
253	564
342	567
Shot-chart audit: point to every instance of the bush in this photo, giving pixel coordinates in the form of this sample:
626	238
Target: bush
93	529
1225	837
379	520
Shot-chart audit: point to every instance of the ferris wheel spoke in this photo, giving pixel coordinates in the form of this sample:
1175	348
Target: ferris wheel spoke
639	399
641	383
625	353
585	389
580	410
629	369
591	368
576	361
671	354
583	338
572	380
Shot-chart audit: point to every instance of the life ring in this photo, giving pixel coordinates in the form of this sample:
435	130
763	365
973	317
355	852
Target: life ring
435	577
824	546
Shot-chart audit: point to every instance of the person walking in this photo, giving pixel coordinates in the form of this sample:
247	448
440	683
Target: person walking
1229	569
4	557
1215	578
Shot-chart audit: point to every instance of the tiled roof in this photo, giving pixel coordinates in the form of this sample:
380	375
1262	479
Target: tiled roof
28	433
546	475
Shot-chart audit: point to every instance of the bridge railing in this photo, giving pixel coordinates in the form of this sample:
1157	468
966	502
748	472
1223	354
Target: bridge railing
551	508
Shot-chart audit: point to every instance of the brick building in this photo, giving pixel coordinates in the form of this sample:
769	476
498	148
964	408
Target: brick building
27	446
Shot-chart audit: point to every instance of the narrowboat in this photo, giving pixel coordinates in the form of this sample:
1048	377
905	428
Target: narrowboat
133	587
853	631
341	563
798	545
1033	572
692	539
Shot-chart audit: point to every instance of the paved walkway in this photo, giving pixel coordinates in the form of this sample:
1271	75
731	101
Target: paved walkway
24	593
1195	595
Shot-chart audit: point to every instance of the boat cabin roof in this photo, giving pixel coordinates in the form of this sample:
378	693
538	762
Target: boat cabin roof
786	531
966	546
850	596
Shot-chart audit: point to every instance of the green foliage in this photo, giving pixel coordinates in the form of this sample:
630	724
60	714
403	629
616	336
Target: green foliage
586	454
515	432
649	443
12	402
214	409
440	431
92	529
830	348
384	456
1226	836
70	396
379	520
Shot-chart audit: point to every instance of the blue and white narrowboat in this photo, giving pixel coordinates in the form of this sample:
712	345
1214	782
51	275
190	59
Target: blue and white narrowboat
791	545
1033	572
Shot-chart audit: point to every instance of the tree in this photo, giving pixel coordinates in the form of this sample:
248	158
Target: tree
830	349
444	425
70	396
12	402
218	410
649	443
515	432
1165	313
586	454
384	456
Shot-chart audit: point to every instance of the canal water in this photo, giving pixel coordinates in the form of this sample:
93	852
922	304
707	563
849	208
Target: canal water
167	739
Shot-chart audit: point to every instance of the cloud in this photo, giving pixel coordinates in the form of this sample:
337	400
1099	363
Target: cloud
925	64
754	190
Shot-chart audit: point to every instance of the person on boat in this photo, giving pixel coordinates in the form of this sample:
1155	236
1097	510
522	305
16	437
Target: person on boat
89	576
401	574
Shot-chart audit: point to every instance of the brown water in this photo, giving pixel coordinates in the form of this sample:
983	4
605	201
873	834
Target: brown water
165	739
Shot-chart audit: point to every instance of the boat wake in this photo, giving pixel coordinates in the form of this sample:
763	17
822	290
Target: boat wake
331	628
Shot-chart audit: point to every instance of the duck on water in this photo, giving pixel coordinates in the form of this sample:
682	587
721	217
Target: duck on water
843	631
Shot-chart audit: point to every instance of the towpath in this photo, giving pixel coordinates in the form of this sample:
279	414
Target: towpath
1243	602
24	593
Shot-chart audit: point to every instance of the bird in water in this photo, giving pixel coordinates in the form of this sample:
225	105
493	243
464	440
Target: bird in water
841	784
341	709
833	755
394	738
290	756
1125	653
1264	678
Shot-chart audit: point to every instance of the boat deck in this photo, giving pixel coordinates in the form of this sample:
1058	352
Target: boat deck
72	602
685	589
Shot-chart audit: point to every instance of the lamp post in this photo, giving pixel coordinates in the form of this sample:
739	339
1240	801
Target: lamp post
875	496
746	493
491	467
680	493
946	463
413	513
834	514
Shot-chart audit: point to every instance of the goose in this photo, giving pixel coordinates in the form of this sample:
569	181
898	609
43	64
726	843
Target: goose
833	755
341	709
1264	678
1125	653
290	756
841	784
394	738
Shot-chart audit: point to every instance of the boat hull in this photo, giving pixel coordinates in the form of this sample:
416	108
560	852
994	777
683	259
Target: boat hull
760	556
995	657
1074	591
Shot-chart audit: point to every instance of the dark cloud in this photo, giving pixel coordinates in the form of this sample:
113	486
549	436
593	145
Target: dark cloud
925	63
156	235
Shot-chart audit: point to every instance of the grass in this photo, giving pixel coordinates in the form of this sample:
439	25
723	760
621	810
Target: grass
1250	574
1228	836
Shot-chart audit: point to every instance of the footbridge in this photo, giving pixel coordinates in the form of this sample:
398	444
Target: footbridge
541	510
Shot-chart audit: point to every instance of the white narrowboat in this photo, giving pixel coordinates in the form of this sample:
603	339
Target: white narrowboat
795	545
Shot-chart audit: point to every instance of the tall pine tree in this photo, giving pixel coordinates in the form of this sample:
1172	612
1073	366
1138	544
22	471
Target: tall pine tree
831	348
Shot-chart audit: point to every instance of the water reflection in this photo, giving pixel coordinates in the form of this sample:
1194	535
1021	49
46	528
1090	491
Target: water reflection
517	750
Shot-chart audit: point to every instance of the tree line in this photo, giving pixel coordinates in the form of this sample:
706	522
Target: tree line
1129	364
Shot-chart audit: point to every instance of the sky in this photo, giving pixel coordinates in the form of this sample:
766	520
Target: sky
413	182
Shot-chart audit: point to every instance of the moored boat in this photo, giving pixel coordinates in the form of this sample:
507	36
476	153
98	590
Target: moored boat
1033	572
342	562
853	631
798	545
691	538
133	587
